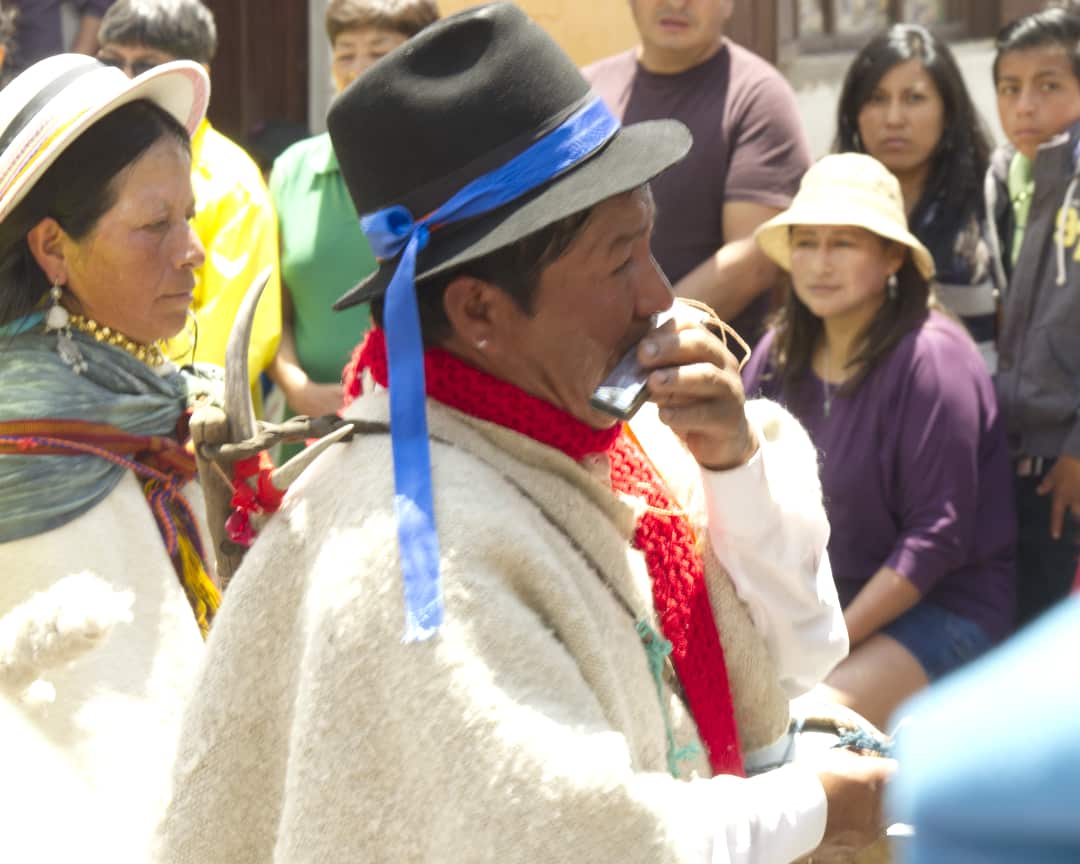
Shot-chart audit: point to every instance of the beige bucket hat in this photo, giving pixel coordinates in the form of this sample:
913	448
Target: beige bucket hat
845	189
52	103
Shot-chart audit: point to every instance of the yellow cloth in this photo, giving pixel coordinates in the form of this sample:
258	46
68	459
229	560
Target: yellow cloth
235	220
199	587
202	593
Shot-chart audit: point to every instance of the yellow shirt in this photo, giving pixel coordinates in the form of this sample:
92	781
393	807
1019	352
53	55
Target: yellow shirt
235	220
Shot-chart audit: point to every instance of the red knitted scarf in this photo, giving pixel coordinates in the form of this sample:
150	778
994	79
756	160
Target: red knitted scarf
662	533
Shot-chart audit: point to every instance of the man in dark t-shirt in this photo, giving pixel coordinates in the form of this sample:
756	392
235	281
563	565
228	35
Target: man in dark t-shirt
39	30
749	153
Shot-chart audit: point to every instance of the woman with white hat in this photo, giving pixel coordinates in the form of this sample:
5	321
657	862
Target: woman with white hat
915	468
106	582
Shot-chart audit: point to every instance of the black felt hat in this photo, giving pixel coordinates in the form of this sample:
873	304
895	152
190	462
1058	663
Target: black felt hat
460	99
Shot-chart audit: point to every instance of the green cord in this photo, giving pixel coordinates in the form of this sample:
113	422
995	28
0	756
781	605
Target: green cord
658	649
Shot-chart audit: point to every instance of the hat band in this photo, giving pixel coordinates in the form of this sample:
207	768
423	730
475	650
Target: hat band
30	110
393	231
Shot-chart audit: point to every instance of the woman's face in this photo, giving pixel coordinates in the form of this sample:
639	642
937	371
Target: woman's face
839	271
134	271
356	50
903	120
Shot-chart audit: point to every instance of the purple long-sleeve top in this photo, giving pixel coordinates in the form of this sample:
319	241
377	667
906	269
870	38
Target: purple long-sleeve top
915	470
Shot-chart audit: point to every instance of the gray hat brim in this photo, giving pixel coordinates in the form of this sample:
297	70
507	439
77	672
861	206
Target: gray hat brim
636	154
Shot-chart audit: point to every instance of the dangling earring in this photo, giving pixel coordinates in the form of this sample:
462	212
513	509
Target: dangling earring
893	285
57	320
857	141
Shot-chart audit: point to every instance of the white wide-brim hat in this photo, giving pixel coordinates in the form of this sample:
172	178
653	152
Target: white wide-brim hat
52	103
845	189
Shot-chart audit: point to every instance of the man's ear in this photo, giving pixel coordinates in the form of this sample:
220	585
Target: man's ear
47	244
478	312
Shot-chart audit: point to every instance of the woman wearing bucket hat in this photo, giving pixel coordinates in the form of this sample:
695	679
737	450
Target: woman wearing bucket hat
914	462
580	677
106	584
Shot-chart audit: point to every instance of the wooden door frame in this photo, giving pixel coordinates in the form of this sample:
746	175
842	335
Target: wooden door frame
261	71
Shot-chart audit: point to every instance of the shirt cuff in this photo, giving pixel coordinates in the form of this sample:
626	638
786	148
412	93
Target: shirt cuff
914	567
739	495
778	485
772	818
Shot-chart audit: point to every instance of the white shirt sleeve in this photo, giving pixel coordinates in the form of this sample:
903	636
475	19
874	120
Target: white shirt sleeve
773	818
768	528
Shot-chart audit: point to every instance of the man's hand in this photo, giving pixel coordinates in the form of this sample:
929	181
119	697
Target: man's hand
1063	483
699	392
854	787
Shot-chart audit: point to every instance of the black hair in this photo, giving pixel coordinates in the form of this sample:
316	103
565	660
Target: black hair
1057	25
268	139
960	160
516	269
76	191
184	29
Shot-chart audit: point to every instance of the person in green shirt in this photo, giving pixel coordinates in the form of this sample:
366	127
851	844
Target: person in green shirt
323	251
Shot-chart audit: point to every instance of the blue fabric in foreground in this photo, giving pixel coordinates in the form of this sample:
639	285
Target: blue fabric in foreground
393	231
990	757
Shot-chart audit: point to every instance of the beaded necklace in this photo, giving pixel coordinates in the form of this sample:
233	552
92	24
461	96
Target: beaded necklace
149	354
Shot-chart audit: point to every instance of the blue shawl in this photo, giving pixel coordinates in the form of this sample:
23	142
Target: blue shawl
42	492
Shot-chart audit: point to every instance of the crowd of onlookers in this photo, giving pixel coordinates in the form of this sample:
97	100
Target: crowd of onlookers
903	102
913	299
948	453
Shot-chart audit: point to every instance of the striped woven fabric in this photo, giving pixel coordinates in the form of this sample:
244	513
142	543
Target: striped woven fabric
163	467
53	437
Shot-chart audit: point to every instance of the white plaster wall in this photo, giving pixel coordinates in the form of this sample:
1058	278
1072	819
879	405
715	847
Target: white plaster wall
320	84
69	23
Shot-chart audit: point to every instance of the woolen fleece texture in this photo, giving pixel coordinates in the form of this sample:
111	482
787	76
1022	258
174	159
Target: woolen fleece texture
665	536
86	775
527	729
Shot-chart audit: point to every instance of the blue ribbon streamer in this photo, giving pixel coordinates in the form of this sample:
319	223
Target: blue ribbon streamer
394	229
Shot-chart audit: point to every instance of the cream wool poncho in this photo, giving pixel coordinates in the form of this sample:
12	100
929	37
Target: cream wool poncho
99	647
528	728
86	769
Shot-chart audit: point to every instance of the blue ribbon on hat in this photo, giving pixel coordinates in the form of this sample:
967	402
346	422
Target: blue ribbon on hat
394	229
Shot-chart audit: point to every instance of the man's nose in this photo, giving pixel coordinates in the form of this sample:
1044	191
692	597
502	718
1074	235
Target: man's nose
655	293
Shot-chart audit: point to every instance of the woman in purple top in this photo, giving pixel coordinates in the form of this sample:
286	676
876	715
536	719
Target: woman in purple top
915	468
